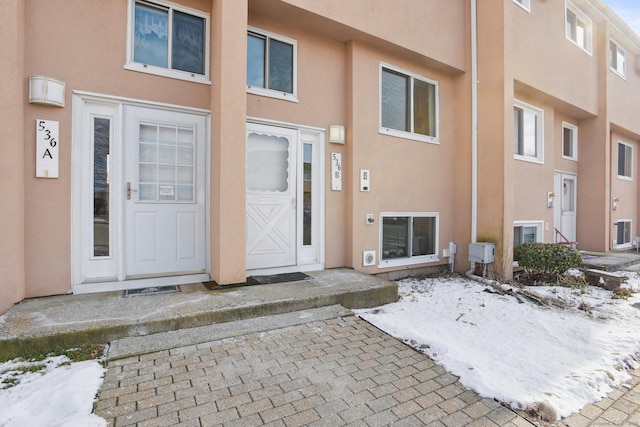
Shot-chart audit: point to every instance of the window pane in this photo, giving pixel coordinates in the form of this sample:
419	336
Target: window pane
280	66
529	234
187	50
529	134
424	236
613	53
517	131
424	108
267	163
255	60
307	194
567	142
151	44
571	26
101	230
395	100
628	157
395	236
517	236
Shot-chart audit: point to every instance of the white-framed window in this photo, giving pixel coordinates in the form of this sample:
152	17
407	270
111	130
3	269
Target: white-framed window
271	65
525	4
527	232
623	234
625	160
569	141
528	140
408	105
169	40
617	59
408	238
578	27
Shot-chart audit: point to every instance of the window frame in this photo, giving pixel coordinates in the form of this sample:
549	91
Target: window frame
410	134
624	245
616	67
272	93
574	141
410	260
524	4
132	65
538	224
539	113
625	177
580	17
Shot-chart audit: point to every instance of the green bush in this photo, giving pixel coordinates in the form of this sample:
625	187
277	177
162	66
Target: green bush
546	257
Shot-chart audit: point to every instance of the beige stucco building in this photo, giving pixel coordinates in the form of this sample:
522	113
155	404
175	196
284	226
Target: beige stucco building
150	142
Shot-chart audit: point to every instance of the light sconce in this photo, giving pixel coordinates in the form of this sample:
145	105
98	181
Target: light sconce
615	203
336	134
46	90
550	197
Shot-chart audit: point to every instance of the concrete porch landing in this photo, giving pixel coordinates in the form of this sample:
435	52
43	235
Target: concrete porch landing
67	321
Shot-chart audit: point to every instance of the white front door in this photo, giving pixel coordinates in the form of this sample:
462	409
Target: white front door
139	196
164	193
271	196
565	205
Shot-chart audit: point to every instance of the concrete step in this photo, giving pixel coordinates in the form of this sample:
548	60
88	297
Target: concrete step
67	321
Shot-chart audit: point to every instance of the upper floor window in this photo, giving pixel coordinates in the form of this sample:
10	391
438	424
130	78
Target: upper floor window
579	27
625	160
271	65
525	4
617	59
528	139
408	105
168	40
569	141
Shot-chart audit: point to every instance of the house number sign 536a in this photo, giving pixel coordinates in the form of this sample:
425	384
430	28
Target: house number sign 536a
47	148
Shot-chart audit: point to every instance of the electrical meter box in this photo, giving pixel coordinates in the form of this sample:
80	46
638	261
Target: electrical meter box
483	252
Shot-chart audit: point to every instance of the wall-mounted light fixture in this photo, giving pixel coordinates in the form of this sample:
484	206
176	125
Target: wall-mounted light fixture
336	134
550	196
46	90
614	205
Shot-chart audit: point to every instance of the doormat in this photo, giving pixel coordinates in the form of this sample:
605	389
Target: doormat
154	290
277	278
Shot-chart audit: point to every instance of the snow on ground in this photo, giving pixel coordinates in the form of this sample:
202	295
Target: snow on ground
59	395
514	350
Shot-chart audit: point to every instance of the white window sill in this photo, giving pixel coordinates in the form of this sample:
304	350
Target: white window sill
399	262
625	178
409	135
528	159
619	74
573	159
581	47
165	72
291	97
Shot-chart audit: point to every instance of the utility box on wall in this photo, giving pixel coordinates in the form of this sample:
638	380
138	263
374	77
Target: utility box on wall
482	252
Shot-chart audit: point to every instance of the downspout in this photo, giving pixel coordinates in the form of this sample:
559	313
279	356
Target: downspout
474	121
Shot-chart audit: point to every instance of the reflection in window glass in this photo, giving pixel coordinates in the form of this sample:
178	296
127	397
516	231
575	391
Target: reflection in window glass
187	51
151	45
280	66
395	101
101	229
395	236
255	60
307	195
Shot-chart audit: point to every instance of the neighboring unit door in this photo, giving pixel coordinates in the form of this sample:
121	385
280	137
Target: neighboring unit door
164	192
565	205
271	196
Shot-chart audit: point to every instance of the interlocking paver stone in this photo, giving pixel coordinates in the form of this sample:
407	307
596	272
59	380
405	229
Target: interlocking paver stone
335	372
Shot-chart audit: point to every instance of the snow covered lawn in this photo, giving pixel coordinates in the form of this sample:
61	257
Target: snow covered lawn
60	394
514	350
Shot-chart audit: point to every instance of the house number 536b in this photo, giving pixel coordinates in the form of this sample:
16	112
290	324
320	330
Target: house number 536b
47	148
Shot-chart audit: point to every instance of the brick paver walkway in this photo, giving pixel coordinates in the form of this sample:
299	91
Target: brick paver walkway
336	372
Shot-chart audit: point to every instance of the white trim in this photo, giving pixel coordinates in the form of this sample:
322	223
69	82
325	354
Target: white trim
409	260
131	65
587	21
269	122
624	177
524	4
622	74
407	134
574	142
264	91
539	112
100	97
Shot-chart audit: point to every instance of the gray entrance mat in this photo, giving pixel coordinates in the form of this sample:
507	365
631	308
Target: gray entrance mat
154	290
277	278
